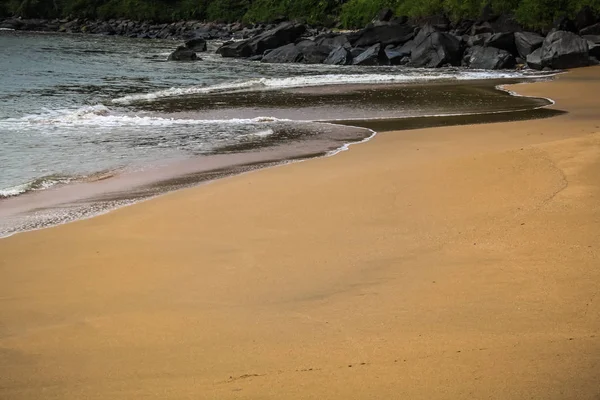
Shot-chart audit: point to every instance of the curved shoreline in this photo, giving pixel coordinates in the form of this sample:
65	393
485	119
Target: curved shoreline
456	262
109	203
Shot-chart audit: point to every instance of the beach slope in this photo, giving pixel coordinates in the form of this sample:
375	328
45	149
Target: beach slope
447	263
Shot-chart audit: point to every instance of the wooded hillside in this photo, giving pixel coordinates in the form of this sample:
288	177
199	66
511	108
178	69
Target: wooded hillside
536	14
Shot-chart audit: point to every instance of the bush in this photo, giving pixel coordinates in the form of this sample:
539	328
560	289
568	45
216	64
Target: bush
358	13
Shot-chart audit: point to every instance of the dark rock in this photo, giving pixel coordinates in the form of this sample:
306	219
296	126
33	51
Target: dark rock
197	44
284	54
478	40
502	41
11	24
408	47
374	55
182	53
584	18
435	50
339	56
594	50
463	27
563	49
480	57
527	42
281	35
592	38
565	24
396	55
534	59
384	15
385	34
482	28
591	30
257	57
314	54
235	49
333	41
357	51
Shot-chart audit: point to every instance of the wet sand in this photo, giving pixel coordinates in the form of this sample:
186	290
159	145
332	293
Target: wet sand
453	262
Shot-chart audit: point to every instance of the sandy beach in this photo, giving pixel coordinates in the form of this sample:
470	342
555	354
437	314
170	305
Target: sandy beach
446	263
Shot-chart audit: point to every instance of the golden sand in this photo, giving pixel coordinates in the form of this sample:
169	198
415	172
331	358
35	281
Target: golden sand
447	263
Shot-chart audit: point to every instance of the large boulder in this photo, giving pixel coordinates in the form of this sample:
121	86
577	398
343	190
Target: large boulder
182	53
502	41
562	49
534	59
436	49
527	42
339	56
396	55
374	55
384	34
314	54
284	54
333	41
285	33
197	44
480	57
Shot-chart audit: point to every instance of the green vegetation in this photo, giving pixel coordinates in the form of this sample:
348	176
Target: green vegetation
349	13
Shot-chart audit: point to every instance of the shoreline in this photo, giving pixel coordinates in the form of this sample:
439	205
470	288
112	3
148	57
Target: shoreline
453	262
109	200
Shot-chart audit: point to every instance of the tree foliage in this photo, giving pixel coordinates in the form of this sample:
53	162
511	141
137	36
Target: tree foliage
538	14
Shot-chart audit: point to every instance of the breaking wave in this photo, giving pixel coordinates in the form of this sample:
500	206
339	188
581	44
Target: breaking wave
102	116
414	75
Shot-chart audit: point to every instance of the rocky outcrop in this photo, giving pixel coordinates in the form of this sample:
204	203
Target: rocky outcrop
339	56
503	41
182	53
434	50
480	57
527	42
313	53
392	33
197	45
396	55
534	59
285	33
374	55
284	54
562	49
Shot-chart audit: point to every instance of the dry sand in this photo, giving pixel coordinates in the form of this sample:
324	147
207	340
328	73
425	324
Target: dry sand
447	263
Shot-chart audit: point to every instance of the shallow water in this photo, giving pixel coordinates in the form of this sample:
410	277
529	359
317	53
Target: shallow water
88	123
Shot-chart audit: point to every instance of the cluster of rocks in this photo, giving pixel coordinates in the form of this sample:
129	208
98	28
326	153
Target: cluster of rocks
492	42
141	29
497	43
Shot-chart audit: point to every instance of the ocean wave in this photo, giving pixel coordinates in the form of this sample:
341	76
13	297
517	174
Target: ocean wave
101	116
44	182
323	80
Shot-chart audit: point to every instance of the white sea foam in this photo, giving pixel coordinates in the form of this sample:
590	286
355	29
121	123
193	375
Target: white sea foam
321	80
101	116
36	184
